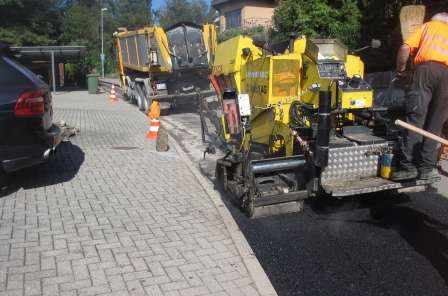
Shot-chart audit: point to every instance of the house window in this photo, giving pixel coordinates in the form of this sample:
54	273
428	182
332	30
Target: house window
233	19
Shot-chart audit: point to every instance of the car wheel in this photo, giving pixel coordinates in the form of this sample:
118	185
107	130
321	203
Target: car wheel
377	213
140	97
3	180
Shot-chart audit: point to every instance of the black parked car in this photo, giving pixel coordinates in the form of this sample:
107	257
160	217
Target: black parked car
27	133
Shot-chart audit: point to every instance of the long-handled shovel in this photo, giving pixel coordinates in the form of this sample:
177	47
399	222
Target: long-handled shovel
444	142
421	132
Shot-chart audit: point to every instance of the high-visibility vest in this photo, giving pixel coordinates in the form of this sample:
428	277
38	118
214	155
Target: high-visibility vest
430	43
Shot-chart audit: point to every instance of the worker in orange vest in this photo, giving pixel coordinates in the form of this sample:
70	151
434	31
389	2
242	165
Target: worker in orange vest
427	100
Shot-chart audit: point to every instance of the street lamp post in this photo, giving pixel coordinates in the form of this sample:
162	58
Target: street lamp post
102	57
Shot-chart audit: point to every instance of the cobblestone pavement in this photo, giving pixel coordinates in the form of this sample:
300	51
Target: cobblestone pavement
110	216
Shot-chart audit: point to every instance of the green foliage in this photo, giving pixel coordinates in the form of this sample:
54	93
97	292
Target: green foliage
76	19
254	32
29	22
319	18
130	13
71	22
381	21
176	11
77	22
354	22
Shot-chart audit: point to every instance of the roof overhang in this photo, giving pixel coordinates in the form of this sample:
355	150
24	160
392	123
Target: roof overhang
44	53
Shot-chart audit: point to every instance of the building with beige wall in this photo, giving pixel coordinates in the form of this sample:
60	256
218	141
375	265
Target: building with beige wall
244	13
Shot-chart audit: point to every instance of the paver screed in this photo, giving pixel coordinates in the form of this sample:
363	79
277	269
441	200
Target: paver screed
111	216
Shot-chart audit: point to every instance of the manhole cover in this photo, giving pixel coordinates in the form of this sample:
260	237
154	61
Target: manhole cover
124	148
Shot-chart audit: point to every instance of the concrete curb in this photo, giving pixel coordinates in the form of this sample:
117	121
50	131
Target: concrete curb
256	271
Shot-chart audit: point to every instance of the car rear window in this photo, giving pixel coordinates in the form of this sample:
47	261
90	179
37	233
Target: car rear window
13	72
9	75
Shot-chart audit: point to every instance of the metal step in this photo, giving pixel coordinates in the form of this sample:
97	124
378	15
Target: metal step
339	188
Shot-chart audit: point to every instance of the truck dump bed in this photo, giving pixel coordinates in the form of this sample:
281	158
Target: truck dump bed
159	64
144	50
152	49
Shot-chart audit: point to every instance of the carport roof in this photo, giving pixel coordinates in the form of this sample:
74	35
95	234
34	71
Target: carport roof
51	54
43	53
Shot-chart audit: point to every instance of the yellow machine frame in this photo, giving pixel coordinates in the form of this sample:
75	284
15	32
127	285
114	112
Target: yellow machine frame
274	82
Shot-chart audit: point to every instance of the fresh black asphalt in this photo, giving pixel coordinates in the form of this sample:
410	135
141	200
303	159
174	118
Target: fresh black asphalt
340	249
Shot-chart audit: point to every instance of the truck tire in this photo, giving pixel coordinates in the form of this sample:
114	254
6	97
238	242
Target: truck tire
131	94
147	104
125	94
140	96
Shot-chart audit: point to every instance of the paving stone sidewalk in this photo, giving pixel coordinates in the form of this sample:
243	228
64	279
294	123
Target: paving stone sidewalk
111	216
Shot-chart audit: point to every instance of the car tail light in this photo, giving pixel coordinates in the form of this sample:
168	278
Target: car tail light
30	104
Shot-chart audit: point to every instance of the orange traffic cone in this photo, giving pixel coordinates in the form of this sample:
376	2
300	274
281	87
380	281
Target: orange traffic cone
112	96
154	110
153	129
154	114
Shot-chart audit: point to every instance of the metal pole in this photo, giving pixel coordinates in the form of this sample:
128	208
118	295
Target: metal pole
52	72
201	117
102	44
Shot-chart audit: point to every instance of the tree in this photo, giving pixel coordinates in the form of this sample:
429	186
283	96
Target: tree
131	13
71	22
76	19
29	22
176	11
258	32
319	18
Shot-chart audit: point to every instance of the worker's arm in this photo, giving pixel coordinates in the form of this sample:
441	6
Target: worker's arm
409	47
403	57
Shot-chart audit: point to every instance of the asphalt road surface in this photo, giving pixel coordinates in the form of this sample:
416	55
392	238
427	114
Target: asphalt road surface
338	248
343	251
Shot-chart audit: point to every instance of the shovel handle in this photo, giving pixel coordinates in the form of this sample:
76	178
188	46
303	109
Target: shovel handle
421	132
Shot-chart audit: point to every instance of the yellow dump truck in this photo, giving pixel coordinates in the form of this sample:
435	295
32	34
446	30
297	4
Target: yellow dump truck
300	123
165	65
